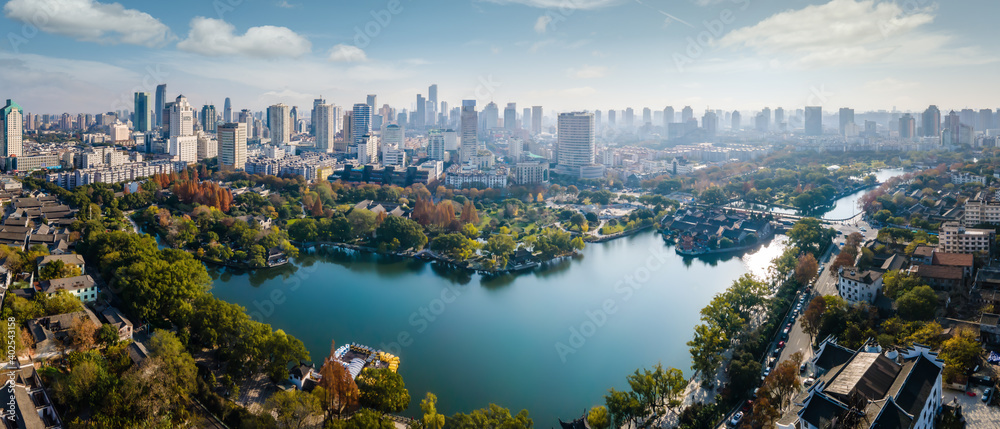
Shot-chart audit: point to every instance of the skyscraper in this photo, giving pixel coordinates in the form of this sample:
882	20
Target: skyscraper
526	118
420	119
597	121
372	102
647	116
324	118
208	118
846	119
432	98
279	121
629	118
737	121
907	126
312	116
985	120
930	122
435	145
470	132
11	129
293	119
227	111
361	124
183	142
143	113
232	138
779	119
536	119
161	98
710	123
490	117
510	117
668	116
576	144
612	118
687	114
814	120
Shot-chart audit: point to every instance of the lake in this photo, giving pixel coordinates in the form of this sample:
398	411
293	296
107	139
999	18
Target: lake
552	341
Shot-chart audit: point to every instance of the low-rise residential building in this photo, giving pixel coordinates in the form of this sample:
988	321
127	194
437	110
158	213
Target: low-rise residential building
51	333
71	260
981	209
965	261
82	287
528	173
955	238
857	286
939	277
121	173
27	405
116	318
462	176
961	178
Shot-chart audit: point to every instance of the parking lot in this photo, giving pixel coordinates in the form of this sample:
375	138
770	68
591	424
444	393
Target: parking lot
977	414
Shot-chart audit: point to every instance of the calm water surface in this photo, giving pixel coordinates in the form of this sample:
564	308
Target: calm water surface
541	341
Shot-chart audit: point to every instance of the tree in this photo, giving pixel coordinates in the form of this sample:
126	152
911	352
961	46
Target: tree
455	245
383	390
57	270
493	417
401	233
918	304
362	222
107	335
340	391
597	418
713	196
364	419
960	353
500	246
806	269
82	333
897	284
812	318
670	383
293	407
431	419
809	235
706	350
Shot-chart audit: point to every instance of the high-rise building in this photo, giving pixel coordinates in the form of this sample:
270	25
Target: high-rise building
814	120
161	99
598	124
930	122
232	138
435	145
510	117
576	145
346	134
279	122
985	120
361	124
312	117
326	133
372	102
143	112
227	111
293	119
526	119
432	98
392	135
183	142
687	114
647	116
490	117
668	116
11	129
208	118
952	128
612	118
779	119
629	118
737	121
710	123
420	118
536	119
846	119
907	126
470	133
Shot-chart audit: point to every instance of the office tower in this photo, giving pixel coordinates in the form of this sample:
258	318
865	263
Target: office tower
526	118
443	114
392	135
737	120
435	145
279	122
432	98
846	119
510	117
346	134
952	128
208	118
907	126
814	120
668	116
232	140
160	100
612	118
420	118
183	142
687	114
361	125
598	124
367	148
372	102
968	117
629	118
575	143
293	119
871	128
710	123
490	117
227	111
312	116
779	118
985	120
143	113
647	116
11	129
930	122
324	126
470	133
65	122
536	119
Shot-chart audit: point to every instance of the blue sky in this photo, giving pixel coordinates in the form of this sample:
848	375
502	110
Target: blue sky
89	56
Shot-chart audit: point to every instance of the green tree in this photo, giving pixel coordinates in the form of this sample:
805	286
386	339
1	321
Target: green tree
706	350
407	233
960	353
713	196
431	419
455	246
896	283
362	222
364	419
918	304
809	235
383	390
493	417
500	246
293	407
57	270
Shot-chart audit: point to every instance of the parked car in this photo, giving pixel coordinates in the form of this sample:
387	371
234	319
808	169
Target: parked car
987	394
802	368
736	418
809	382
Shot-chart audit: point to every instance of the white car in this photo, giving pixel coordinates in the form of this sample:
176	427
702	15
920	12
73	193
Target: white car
736	418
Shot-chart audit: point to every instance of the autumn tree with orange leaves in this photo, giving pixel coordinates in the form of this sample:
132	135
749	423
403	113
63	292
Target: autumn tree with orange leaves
339	392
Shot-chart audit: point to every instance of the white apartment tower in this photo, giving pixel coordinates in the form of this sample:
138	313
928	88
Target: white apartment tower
233	145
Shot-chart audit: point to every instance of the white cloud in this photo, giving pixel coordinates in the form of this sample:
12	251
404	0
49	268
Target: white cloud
542	24
838	32
347	54
286	5
215	37
90	21
561	4
588	72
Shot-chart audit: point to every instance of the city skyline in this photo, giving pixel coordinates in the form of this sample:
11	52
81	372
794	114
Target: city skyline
589	55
